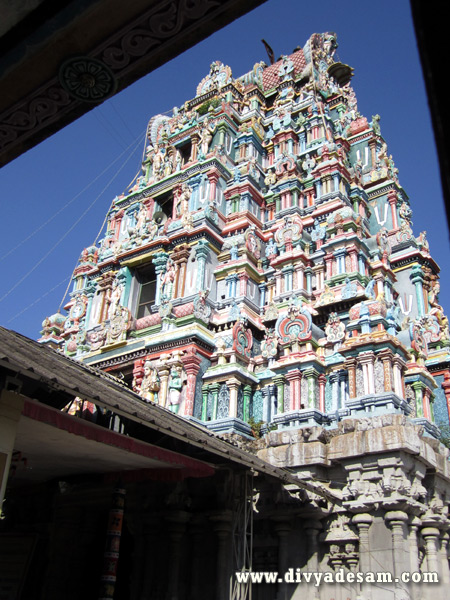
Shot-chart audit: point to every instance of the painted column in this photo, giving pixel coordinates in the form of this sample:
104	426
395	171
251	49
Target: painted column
233	386
392	199
334	381
191	363
311	377
294	377
213	176
214	389
163	373
329	263
300	277
205	391
417	278
247	394
426	404
350	364
279	381
446	388
418	387
243	279
322	383
201	254
262	290
386	358
112	546
366	359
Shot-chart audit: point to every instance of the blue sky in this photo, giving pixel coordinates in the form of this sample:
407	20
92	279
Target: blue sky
54	197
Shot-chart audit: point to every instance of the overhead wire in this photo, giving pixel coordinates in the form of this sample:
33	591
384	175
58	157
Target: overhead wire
60	210
63	237
102	226
109	127
39	299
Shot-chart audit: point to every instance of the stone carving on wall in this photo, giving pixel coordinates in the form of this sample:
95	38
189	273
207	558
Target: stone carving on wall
252	242
334	329
202	310
219	75
119	323
294	327
289	232
242	339
269	346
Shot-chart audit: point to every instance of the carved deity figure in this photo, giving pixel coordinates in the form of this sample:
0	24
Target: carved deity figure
116	295
175	385
167	279
150	384
206	135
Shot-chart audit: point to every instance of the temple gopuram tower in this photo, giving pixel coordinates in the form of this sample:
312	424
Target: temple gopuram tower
263	272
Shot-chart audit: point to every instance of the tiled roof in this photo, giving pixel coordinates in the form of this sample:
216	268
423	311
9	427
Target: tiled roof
271	77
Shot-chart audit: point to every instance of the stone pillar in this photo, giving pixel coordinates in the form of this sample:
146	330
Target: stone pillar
363	522
400	560
196	547
413	547
432	549
176	526
222	528
148	525
191	363
312	530
445	577
282	526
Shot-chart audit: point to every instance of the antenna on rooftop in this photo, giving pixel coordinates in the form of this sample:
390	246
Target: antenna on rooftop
269	51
